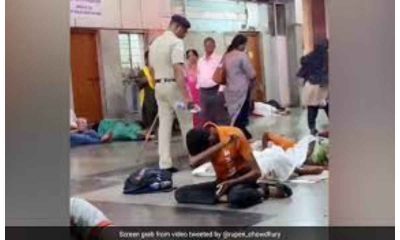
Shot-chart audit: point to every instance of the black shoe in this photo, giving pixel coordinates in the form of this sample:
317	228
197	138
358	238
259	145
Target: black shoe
172	170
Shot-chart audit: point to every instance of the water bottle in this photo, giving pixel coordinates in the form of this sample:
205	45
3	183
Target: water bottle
181	106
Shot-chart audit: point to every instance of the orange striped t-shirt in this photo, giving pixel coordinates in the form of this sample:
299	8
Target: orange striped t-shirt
235	157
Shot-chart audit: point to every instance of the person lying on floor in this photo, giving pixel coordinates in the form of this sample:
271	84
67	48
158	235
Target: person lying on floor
317	148
236	170
302	157
266	109
80	134
87	221
281	158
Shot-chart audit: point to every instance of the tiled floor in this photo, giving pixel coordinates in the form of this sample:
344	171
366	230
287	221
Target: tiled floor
98	173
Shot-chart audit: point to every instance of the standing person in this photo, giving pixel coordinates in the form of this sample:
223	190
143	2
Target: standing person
240	77
314	71
167	57
147	85
211	94
191	81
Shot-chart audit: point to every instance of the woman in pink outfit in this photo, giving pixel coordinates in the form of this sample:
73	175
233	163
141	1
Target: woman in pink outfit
191	82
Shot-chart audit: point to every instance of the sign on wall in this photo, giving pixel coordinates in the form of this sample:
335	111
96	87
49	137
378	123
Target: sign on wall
81	8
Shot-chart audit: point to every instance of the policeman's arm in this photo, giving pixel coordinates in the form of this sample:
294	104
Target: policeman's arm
179	72
178	59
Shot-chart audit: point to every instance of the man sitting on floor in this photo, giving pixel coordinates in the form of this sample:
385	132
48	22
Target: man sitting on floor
236	170
80	134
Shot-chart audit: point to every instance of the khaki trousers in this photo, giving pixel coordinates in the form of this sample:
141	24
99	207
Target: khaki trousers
168	96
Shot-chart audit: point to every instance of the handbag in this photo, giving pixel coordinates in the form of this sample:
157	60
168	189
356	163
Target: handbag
220	75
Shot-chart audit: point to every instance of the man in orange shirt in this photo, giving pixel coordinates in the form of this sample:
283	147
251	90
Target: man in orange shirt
236	169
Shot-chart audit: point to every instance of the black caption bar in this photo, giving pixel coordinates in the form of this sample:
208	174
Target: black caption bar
202	233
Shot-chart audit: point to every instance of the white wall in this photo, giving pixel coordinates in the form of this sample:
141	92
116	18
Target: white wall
114	102
128	14
294	20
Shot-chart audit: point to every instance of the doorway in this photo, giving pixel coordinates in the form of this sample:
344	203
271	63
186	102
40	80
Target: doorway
85	76
255	55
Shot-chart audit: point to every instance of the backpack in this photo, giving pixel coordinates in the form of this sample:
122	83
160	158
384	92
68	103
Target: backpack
148	180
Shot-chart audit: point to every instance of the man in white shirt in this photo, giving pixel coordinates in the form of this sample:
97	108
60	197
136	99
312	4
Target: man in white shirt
167	56
211	97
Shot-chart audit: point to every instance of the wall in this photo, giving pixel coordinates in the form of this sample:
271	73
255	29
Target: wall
295	28
114	101
362	85
219	16
128	14
307	27
36	114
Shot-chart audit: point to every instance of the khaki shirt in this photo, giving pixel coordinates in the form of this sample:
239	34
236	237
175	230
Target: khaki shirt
164	52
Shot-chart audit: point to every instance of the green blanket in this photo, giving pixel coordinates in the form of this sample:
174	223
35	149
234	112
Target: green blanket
121	130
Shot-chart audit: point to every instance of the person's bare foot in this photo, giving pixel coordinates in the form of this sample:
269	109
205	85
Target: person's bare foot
107	138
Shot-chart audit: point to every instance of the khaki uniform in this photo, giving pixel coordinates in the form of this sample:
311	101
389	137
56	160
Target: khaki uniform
164	52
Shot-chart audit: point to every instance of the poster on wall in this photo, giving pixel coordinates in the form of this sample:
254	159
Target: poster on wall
86	8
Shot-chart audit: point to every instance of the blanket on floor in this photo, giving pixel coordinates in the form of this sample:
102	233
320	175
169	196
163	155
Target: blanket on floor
121	130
